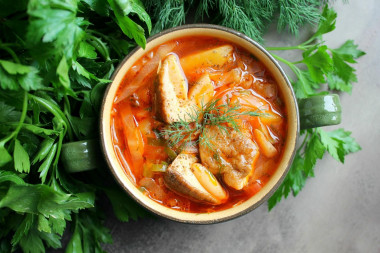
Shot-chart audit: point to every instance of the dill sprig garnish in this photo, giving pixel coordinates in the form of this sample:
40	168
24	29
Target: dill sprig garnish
223	115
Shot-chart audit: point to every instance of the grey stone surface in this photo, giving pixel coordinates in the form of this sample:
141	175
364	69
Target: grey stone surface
337	211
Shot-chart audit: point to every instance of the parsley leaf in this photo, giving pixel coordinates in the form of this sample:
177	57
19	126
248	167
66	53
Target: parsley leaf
293	182
5	157
349	52
316	142
338	143
21	158
121	9
318	64
99	6
42	199
323	65
136	7
15	76
343	74
124	207
313	151
86	50
326	23
56	21
45	166
8	176
88	233
8	113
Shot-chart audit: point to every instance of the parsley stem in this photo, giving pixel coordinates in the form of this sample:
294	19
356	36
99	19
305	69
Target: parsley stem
303	142
56	111
99	46
11	52
282	59
302	47
19	125
60	141
283	48
66	105
33	128
296	71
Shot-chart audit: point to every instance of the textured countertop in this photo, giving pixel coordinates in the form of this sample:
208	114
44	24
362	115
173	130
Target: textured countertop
337	211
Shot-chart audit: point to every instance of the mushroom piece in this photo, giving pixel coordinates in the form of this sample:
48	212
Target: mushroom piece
233	154
190	179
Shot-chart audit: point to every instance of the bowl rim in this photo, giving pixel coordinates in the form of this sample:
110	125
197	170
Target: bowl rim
283	75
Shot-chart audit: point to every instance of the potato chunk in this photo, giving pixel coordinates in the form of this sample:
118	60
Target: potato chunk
180	178
266	147
208	181
215	57
202	91
171	103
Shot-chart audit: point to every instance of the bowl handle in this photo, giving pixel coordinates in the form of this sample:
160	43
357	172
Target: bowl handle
81	156
321	110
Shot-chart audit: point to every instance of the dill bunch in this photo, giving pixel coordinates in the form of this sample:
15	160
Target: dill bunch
166	13
249	17
224	116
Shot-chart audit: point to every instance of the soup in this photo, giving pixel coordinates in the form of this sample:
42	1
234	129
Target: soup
198	124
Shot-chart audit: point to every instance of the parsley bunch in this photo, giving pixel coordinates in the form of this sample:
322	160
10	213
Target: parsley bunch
56	58
320	65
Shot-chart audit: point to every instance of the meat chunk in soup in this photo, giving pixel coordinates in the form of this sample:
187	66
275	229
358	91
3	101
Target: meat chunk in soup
188	178
233	155
171	100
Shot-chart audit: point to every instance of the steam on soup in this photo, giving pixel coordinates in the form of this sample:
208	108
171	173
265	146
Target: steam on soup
198	124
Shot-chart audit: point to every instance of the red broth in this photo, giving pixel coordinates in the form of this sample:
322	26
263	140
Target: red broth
134	123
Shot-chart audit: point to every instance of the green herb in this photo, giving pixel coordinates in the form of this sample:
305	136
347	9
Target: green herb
250	17
323	65
56	58
223	115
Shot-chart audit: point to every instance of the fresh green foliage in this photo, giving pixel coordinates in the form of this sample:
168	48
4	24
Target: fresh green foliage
123	206
122	9
224	116
88	233
21	158
166	13
15	76
250	17
56	59
338	143
324	65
